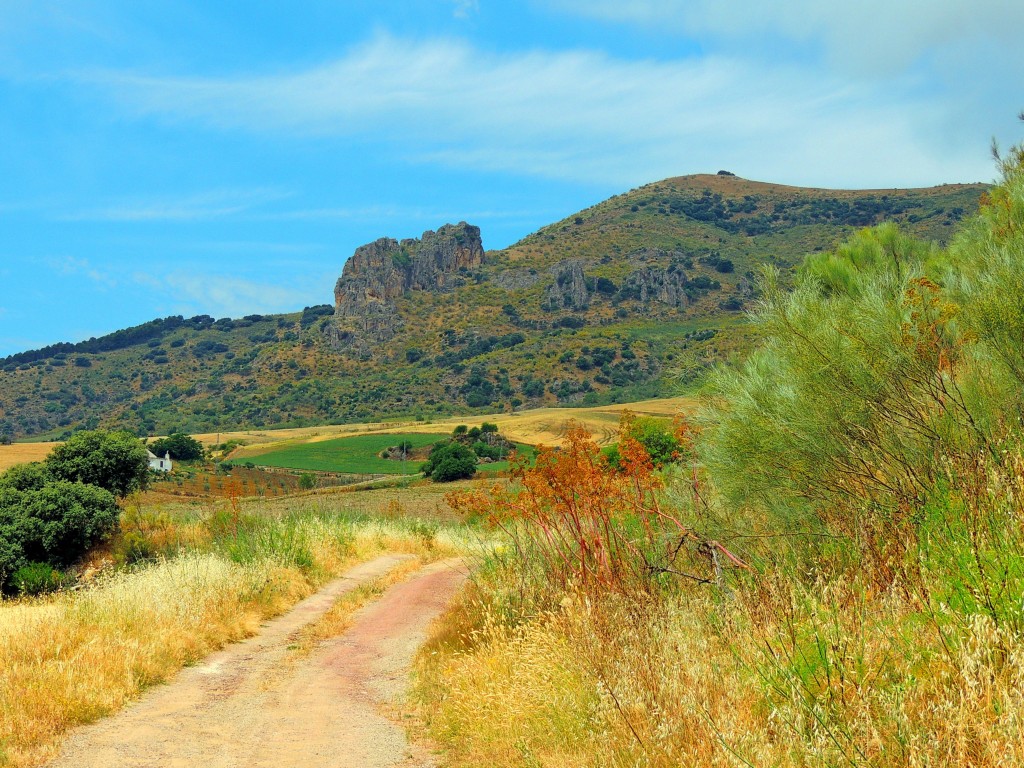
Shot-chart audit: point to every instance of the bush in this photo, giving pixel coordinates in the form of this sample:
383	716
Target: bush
662	441
54	524
114	461
37	579
486	451
450	461
182	447
26	477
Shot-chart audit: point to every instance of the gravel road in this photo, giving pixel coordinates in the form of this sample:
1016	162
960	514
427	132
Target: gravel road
253	705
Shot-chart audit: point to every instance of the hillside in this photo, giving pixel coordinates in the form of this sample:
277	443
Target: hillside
632	298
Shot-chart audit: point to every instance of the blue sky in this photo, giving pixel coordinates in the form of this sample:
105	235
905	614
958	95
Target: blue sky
225	158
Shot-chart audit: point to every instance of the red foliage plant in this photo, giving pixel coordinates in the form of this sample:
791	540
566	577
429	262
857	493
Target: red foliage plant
592	525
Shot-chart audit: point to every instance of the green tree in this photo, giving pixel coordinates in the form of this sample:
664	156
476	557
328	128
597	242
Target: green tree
26	477
182	447
450	461
658	439
53	524
114	461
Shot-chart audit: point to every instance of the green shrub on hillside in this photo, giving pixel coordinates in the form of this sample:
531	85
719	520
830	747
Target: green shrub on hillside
115	461
182	447
450	461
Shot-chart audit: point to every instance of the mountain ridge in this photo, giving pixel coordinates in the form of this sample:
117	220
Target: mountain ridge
623	300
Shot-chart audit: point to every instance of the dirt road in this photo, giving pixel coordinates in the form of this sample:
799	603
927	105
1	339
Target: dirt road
252	705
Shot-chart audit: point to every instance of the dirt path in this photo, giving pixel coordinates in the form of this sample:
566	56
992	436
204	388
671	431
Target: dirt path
245	706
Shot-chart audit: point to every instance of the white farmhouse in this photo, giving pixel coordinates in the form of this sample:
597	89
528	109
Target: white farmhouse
158	464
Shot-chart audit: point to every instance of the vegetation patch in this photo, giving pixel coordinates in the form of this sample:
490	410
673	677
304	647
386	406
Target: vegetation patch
358	454
834	575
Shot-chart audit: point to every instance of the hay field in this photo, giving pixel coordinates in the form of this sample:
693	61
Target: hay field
540	426
21	453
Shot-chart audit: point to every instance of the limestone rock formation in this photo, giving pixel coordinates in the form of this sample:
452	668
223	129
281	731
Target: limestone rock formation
569	289
380	272
667	286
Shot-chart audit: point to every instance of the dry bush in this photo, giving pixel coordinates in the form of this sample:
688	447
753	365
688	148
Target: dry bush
594	527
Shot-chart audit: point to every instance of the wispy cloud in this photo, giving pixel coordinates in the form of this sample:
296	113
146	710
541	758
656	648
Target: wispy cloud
223	295
76	266
581	115
874	37
465	8
214	204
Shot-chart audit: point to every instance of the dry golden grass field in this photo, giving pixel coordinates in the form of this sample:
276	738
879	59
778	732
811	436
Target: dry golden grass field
22	453
541	426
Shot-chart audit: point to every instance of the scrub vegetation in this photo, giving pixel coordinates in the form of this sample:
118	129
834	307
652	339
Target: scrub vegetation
668	271
831	576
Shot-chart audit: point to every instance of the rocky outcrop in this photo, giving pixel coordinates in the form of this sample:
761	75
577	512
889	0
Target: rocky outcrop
380	272
667	286
569	290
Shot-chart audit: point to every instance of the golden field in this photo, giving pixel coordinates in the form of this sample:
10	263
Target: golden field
22	453
540	426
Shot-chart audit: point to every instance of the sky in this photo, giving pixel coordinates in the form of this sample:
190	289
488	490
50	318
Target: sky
226	157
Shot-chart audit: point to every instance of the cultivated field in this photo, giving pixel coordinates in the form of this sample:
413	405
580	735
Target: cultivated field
541	426
356	454
22	453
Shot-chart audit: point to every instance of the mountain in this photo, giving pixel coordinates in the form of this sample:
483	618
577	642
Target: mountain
631	298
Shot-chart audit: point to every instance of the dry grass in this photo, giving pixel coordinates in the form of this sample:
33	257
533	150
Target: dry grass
533	427
691	684
22	453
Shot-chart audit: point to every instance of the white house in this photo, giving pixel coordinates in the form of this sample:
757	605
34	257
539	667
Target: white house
160	465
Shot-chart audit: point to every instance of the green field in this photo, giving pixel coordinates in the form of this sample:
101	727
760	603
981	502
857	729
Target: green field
503	466
358	455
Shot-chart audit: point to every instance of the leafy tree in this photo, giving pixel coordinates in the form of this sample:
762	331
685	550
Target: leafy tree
114	461
450	461
658	438
26	477
53	524
182	447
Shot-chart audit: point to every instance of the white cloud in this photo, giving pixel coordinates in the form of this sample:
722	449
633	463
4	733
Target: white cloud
872	36
586	116
76	266
465	8
223	295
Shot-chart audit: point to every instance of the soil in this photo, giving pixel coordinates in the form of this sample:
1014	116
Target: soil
259	703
